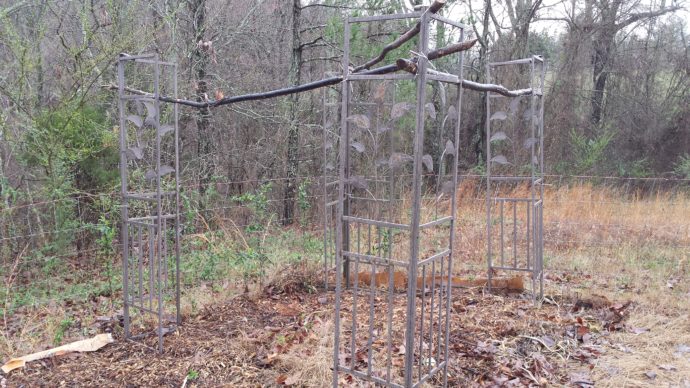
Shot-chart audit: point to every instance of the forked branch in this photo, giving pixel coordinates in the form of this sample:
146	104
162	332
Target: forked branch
409	34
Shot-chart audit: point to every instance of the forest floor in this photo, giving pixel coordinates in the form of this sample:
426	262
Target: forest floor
283	336
616	312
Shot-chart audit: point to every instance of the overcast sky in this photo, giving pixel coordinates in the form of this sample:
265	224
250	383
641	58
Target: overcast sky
557	9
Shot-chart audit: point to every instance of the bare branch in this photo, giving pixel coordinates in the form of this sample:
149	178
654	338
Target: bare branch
411	33
450	49
313	42
645	15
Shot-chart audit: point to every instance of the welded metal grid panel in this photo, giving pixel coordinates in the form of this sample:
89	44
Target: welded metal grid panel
515	170
395	224
149	168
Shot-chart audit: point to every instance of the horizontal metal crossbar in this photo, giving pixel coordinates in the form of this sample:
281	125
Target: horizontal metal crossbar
434	257
505	268
155	62
371	259
378	18
436	222
376	222
447	21
523	61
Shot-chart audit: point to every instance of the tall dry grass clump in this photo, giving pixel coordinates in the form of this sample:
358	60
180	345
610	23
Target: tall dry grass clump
583	215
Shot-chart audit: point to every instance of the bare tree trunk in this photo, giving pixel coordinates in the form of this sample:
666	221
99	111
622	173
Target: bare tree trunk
293	131
602	53
205	147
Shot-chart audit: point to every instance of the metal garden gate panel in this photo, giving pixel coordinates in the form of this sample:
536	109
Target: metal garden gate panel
149	168
396	212
515	171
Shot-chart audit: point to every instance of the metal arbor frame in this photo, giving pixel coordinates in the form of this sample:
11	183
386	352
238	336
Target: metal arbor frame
150	213
368	233
524	133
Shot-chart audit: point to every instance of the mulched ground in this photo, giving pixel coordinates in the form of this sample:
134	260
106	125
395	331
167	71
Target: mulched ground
496	340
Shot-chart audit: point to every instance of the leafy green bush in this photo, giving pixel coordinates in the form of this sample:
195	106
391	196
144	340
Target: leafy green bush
588	152
75	144
682	167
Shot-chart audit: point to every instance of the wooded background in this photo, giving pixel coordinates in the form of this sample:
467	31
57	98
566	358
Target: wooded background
617	100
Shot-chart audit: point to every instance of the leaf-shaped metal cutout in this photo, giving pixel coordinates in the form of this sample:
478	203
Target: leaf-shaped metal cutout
398	110
139	107
135	153
380	92
150	108
164	170
530	142
136	120
359	147
498	136
499	116
452	113
450	148
431	110
428	162
150	114
514	105
150	122
526	116
358	182
165	129
397	159
362	121
383	129
500	159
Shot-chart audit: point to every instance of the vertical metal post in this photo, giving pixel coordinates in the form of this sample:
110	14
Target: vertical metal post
176	113
155	256
324	139
540	230
488	179
453	207
123	192
416	202
340	238
531	239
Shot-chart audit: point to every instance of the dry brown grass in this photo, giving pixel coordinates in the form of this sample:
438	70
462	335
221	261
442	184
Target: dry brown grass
599	240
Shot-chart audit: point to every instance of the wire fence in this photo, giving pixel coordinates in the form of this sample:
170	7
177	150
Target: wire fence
580	212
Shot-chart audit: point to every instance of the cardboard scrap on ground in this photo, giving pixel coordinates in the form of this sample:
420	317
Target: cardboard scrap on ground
87	345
